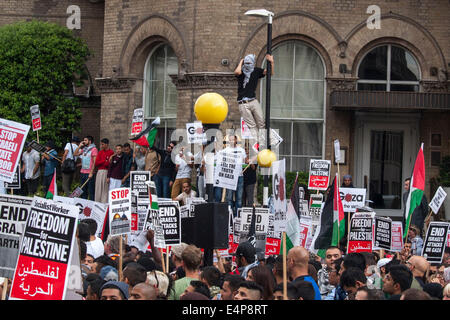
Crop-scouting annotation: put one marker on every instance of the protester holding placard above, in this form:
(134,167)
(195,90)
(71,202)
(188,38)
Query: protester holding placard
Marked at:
(421,211)
(102,165)
(31,169)
(88,152)
(67,176)
(50,163)
(249,183)
(234,197)
(183,166)
(415,239)
(115,169)
(165,176)
(186,194)
(128,164)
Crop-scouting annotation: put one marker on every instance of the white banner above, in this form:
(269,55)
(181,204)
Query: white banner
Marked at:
(337,151)
(279,194)
(227,171)
(352,198)
(245,131)
(88,209)
(437,200)
(261,223)
(194,132)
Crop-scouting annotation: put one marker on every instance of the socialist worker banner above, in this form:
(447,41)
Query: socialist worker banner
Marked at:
(42,270)
(14,211)
(12,139)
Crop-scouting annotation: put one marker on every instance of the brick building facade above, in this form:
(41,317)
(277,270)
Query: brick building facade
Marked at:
(377,88)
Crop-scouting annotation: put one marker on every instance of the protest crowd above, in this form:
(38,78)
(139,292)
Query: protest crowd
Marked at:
(126,213)
(246,274)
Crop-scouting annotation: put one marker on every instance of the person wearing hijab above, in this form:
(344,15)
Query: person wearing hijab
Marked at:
(248,75)
(347,181)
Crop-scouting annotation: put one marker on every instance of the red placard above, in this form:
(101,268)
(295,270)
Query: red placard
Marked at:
(136,127)
(304,228)
(134,222)
(42,268)
(12,138)
(42,279)
(37,124)
(273,246)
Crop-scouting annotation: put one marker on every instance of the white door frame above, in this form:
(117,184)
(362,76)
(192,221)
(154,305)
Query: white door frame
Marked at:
(365,122)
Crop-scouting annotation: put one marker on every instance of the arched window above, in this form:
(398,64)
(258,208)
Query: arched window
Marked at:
(297,103)
(160,94)
(389,68)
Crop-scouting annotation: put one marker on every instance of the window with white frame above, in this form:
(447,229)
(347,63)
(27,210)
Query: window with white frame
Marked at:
(160,94)
(297,103)
(389,68)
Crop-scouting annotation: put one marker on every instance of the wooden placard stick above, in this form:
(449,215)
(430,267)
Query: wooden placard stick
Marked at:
(5,288)
(120,258)
(284,268)
(162,260)
(167,257)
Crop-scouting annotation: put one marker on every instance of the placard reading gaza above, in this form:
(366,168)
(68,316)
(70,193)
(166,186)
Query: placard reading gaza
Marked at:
(435,241)
(169,216)
(352,198)
(14,212)
(360,235)
(45,252)
(227,170)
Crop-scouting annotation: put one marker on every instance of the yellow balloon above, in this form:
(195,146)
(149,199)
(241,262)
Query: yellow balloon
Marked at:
(266,157)
(211,108)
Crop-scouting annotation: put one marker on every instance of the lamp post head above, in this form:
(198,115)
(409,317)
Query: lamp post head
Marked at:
(260,13)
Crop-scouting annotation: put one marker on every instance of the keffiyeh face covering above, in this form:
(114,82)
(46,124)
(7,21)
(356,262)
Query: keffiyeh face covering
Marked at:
(248,66)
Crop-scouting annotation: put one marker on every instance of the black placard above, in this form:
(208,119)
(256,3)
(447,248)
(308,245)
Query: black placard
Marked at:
(435,241)
(383,236)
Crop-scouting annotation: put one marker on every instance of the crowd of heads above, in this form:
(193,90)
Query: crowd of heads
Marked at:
(336,276)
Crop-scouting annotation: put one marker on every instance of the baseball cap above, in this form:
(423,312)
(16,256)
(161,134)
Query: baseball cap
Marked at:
(178,249)
(247,250)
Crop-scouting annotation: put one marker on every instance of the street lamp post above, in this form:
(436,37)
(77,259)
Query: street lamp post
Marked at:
(269,15)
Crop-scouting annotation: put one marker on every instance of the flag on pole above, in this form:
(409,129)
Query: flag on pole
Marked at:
(293,219)
(416,189)
(53,188)
(105,231)
(332,221)
(338,217)
(146,138)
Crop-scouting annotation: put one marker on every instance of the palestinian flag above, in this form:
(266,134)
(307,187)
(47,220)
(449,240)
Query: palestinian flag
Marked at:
(416,189)
(146,138)
(332,221)
(338,217)
(293,219)
(105,231)
(53,188)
